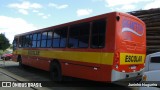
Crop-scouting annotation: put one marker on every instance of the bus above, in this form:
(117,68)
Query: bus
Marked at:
(108,47)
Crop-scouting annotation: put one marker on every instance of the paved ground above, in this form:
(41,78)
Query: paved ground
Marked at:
(4,78)
(10,71)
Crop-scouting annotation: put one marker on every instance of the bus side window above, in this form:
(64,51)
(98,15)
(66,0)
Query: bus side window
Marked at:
(20,42)
(39,39)
(49,39)
(63,41)
(30,40)
(34,40)
(60,37)
(73,37)
(84,35)
(26,42)
(44,40)
(79,36)
(15,42)
(98,34)
(23,41)
(155,59)
(56,38)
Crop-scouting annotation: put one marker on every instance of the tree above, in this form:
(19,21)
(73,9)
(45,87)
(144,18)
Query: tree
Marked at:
(11,46)
(4,42)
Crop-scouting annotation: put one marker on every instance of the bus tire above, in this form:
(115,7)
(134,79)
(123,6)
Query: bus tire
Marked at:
(55,72)
(20,61)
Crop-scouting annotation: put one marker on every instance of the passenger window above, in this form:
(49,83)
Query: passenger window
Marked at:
(15,41)
(20,42)
(73,37)
(98,34)
(30,40)
(34,40)
(56,38)
(44,39)
(60,37)
(44,35)
(63,40)
(38,39)
(27,40)
(35,36)
(39,36)
(49,39)
(84,35)
(43,43)
(155,59)
(79,36)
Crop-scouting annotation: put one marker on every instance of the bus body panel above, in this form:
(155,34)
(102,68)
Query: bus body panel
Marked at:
(76,64)
(130,49)
(87,63)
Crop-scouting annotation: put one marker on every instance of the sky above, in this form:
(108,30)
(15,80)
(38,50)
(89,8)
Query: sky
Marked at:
(19,16)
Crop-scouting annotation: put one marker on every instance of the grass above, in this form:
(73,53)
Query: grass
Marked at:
(1,52)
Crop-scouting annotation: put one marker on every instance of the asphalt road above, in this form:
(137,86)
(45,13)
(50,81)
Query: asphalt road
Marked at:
(10,71)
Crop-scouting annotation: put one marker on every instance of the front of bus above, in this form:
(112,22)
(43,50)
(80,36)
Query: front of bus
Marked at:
(130,49)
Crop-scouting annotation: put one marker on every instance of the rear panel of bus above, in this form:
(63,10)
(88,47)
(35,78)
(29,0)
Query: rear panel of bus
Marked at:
(130,47)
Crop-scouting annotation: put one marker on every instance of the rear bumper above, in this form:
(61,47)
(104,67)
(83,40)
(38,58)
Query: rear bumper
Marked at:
(122,76)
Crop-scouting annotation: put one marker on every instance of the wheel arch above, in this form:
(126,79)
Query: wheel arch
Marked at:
(55,64)
(55,61)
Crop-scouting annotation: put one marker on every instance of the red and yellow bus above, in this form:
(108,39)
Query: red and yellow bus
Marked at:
(108,47)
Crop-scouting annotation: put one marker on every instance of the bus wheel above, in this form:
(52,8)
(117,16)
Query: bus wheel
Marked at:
(55,72)
(20,61)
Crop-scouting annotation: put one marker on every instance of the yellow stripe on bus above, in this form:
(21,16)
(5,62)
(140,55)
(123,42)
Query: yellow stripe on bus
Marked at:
(90,57)
(128,58)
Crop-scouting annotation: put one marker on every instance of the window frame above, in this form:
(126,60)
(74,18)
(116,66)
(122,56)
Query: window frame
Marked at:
(89,34)
(49,39)
(43,39)
(39,39)
(20,42)
(79,32)
(98,20)
(61,30)
(34,40)
(30,37)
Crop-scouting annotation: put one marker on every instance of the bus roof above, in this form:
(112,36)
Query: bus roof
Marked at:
(77,22)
